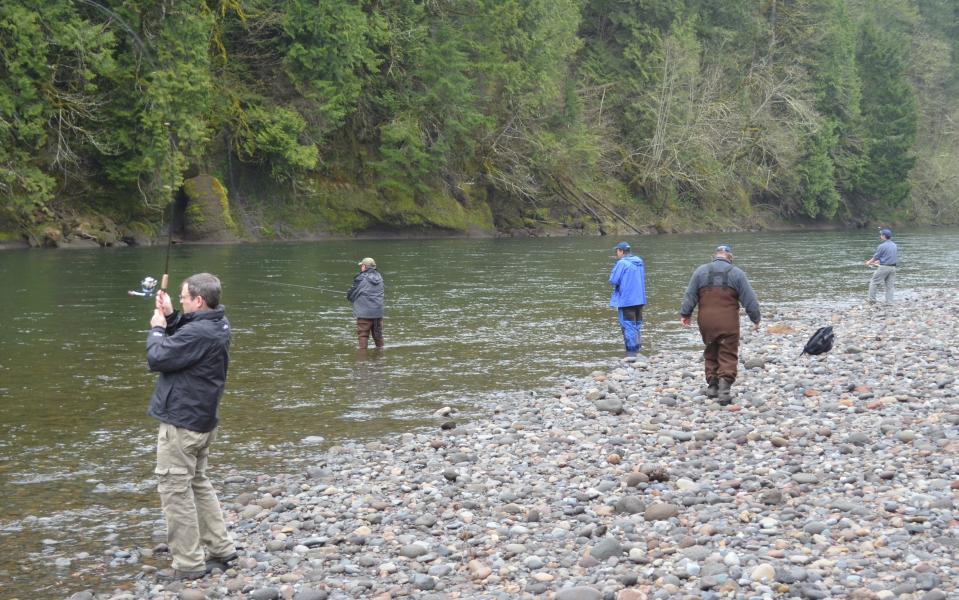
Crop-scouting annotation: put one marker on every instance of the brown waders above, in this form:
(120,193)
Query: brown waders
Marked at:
(367,327)
(719,326)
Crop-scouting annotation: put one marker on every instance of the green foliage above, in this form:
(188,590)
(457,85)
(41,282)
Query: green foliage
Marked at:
(272,137)
(327,54)
(161,97)
(816,171)
(404,167)
(624,46)
(683,113)
(889,118)
(49,63)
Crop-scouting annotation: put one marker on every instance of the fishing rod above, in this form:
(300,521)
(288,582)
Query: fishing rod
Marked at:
(308,287)
(169,236)
(148,284)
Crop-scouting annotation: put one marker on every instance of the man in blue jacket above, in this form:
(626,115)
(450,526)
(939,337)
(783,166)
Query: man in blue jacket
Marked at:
(628,279)
(190,350)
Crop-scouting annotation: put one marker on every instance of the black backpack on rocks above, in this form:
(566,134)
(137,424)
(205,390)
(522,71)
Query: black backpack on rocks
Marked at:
(820,342)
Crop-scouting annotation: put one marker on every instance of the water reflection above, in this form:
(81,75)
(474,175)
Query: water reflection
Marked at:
(370,382)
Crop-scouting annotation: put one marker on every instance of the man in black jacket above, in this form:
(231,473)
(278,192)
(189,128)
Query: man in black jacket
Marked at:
(190,350)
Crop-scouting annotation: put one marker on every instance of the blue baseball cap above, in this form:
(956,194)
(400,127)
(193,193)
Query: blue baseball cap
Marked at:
(622,246)
(724,248)
(885,232)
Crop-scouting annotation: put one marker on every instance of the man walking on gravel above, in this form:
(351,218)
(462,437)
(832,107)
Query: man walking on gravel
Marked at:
(367,295)
(628,279)
(719,288)
(885,259)
(190,350)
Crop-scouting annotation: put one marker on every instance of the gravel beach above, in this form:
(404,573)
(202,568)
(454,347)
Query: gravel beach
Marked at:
(832,476)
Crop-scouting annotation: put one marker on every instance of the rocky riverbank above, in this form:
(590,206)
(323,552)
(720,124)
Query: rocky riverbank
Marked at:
(829,477)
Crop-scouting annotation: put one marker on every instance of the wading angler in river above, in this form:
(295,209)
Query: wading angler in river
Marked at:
(367,295)
(628,279)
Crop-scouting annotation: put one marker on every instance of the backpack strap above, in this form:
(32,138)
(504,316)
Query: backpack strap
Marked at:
(717,277)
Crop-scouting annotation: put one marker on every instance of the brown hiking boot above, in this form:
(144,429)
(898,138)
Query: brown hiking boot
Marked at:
(178,575)
(723,394)
(712,389)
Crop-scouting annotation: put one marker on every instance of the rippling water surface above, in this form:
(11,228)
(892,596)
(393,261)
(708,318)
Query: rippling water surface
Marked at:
(469,323)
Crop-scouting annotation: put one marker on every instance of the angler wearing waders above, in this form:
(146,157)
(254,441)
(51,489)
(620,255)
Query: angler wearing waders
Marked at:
(366,295)
(190,350)
(628,279)
(719,288)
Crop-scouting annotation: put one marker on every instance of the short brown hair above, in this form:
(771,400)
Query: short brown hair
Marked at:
(206,286)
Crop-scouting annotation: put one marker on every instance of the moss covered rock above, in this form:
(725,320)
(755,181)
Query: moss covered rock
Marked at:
(47,236)
(207,215)
(96,228)
(346,208)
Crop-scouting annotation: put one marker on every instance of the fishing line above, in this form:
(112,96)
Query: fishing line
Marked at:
(308,287)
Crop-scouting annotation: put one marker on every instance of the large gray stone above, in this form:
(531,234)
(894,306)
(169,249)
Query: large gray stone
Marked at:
(606,548)
(580,592)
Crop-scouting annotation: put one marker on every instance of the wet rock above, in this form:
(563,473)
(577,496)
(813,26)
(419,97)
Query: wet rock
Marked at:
(266,593)
(611,405)
(630,505)
(606,548)
(311,594)
(763,572)
(661,511)
(579,593)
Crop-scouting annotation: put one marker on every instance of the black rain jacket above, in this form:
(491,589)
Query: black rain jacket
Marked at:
(192,357)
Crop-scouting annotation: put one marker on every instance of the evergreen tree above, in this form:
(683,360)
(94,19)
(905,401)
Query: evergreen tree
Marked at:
(51,64)
(889,119)
(817,174)
(819,108)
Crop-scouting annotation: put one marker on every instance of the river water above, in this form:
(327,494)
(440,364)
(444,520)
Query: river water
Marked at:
(470,323)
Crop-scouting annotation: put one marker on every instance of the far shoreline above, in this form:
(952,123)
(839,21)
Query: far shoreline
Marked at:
(384,235)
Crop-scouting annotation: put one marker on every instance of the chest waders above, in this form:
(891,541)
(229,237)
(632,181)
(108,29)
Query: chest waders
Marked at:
(631,322)
(718,321)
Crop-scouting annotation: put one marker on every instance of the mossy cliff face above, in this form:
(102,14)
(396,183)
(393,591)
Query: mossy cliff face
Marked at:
(337,208)
(207,213)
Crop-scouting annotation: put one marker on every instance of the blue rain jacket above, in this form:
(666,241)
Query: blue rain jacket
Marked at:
(628,279)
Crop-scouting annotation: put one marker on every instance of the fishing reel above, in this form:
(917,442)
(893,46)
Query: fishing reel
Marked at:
(147,288)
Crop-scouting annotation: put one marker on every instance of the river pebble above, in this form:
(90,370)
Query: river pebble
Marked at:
(831,476)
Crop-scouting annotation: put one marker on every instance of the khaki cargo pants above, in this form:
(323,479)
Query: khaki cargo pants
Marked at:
(193,517)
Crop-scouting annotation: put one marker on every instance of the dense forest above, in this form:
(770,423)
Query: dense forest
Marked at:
(261,119)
